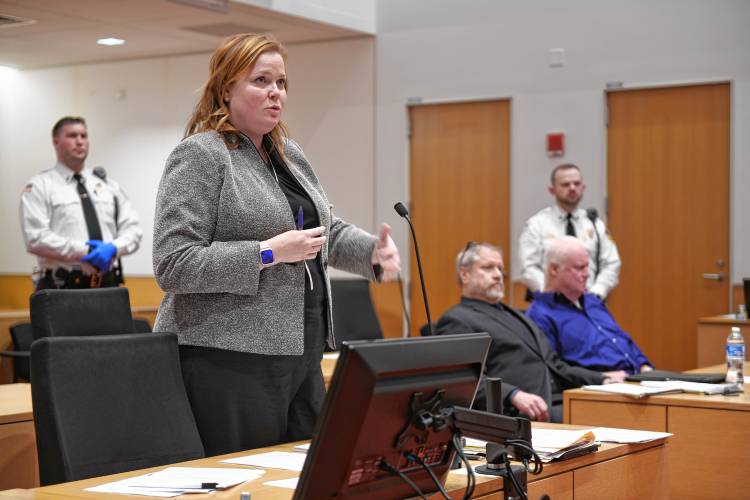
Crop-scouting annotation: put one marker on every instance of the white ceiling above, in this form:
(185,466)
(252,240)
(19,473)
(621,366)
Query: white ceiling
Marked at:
(65,31)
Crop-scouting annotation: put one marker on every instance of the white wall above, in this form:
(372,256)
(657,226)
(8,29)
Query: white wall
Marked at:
(458,50)
(330,112)
(353,14)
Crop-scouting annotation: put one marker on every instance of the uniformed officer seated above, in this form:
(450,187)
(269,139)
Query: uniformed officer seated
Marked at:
(75,220)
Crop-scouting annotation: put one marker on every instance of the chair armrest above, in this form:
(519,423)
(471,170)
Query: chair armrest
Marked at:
(15,354)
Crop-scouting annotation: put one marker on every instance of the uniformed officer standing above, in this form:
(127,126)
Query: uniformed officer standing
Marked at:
(76,221)
(566,218)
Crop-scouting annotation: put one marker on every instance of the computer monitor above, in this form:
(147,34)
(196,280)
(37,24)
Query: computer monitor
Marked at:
(369,416)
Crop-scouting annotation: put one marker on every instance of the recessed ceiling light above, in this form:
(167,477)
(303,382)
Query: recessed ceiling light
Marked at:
(110,41)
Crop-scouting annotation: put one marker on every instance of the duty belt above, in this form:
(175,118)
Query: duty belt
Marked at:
(77,279)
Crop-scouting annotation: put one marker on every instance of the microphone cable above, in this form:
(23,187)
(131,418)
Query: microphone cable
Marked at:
(429,470)
(394,471)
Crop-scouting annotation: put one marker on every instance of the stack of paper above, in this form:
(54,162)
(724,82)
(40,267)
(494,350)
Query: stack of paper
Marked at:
(552,444)
(174,481)
(627,436)
(272,460)
(632,390)
(696,387)
(475,446)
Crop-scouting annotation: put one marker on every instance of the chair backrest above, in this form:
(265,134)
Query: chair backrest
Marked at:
(22,335)
(109,403)
(354,316)
(141,325)
(95,311)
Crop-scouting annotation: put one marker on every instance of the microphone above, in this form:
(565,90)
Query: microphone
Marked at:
(100,172)
(403,212)
(591,213)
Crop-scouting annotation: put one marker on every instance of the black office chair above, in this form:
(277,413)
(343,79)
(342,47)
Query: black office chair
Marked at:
(354,316)
(22,336)
(141,325)
(109,403)
(95,311)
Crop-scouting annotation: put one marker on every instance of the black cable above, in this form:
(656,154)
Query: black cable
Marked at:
(435,479)
(388,467)
(471,480)
(514,480)
(403,305)
(538,466)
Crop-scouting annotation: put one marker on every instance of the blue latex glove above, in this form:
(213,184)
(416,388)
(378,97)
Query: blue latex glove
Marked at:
(101,255)
(93,244)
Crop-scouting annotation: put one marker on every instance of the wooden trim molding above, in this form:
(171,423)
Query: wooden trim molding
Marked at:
(15,290)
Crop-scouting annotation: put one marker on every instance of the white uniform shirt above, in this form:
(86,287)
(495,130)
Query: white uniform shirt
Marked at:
(53,224)
(550,223)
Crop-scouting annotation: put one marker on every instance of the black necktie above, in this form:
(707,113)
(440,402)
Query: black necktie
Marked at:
(89,213)
(569,229)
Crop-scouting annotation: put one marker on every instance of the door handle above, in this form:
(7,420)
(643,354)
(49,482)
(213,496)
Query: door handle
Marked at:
(713,276)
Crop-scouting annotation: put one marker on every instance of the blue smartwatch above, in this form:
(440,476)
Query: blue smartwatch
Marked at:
(266,254)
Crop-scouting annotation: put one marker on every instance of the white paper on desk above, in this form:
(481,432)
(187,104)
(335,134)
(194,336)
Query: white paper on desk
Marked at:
(290,483)
(174,481)
(272,460)
(632,390)
(187,478)
(475,443)
(684,385)
(627,436)
(124,487)
(302,447)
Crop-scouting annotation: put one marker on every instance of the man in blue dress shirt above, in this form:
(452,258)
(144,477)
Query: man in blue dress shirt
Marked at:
(577,324)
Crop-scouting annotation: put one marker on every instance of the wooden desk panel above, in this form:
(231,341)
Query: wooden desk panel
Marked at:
(639,476)
(559,487)
(619,414)
(710,452)
(712,436)
(555,478)
(18,463)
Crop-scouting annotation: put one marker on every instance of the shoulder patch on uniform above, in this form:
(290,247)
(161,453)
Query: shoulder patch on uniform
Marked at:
(27,188)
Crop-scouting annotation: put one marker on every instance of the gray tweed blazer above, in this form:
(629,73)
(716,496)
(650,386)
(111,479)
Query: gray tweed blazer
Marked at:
(213,207)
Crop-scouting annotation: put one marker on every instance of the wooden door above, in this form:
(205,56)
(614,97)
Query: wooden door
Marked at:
(668,187)
(460,177)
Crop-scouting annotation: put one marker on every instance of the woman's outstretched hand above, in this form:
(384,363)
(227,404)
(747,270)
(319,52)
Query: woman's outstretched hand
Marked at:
(386,254)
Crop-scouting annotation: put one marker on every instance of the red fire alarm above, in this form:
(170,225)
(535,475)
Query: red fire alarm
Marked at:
(555,144)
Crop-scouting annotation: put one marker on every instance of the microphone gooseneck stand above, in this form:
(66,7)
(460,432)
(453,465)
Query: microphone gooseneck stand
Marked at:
(403,212)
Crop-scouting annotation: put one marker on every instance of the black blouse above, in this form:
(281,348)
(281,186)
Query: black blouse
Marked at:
(298,198)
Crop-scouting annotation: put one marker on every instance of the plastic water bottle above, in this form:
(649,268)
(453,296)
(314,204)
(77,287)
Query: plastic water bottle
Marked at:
(735,357)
